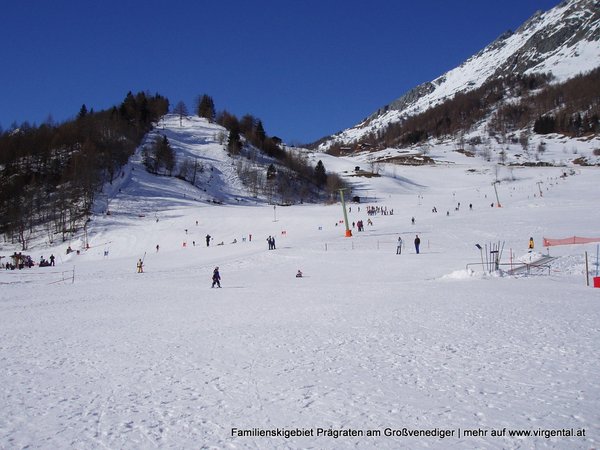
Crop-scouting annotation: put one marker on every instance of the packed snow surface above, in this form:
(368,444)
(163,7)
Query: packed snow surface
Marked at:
(95,355)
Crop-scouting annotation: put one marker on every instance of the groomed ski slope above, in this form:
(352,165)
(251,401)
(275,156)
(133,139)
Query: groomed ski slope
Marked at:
(366,340)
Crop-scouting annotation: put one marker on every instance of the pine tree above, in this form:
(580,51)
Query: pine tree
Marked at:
(260,134)
(82,112)
(234,145)
(320,174)
(162,156)
(206,108)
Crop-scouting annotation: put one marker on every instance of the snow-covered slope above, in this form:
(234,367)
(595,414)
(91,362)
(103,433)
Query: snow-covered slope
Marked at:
(95,355)
(196,142)
(564,41)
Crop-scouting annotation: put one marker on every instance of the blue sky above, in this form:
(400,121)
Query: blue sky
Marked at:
(306,68)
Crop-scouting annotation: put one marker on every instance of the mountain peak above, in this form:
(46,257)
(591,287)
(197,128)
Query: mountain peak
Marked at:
(564,41)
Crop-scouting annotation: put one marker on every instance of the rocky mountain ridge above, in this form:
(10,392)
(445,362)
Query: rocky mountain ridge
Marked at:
(564,41)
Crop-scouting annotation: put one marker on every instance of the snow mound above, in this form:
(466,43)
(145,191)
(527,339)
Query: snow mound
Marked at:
(460,275)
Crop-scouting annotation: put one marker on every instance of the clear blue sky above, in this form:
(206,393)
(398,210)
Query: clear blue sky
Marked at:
(306,68)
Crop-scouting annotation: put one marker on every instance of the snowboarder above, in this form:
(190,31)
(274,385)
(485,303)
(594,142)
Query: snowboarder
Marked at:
(417,243)
(299,274)
(140,266)
(399,246)
(216,278)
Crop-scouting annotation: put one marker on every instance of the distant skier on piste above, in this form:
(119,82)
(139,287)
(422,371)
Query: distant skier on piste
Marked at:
(417,243)
(216,278)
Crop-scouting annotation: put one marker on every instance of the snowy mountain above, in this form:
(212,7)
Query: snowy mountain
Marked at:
(564,41)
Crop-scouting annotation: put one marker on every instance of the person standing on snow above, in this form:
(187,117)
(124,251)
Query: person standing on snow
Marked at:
(216,278)
(208,238)
(417,243)
(531,244)
(140,266)
(399,246)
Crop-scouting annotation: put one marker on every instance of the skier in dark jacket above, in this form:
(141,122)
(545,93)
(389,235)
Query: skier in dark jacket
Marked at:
(417,243)
(216,278)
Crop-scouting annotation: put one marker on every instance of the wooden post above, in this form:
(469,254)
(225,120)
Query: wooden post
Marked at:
(587,272)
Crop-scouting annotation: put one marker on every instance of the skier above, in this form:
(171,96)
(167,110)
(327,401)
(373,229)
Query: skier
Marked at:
(413,220)
(530,244)
(216,278)
(417,243)
(51,260)
(208,238)
(399,246)
(140,266)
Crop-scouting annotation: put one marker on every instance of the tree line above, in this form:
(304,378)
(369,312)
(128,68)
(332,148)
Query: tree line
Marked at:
(50,174)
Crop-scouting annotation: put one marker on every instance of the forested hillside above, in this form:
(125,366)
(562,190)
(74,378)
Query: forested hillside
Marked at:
(508,104)
(51,173)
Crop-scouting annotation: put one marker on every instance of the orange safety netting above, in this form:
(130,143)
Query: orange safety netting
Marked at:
(568,241)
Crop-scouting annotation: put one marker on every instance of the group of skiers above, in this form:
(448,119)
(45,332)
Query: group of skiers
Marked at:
(21,261)
(383,210)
